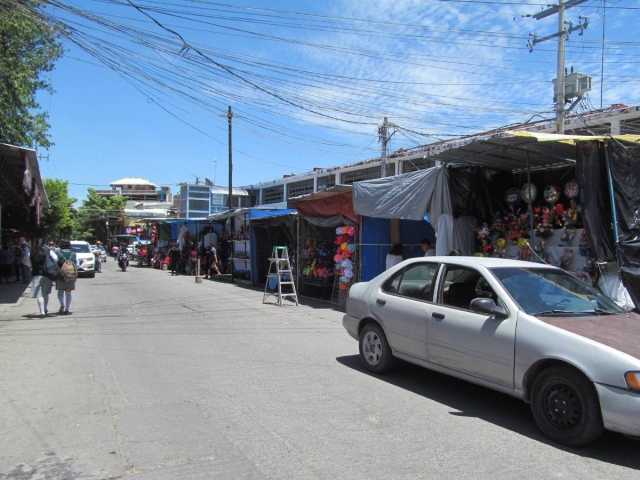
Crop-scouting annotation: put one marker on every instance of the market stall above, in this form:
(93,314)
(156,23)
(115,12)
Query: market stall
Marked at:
(270,228)
(535,197)
(243,252)
(327,255)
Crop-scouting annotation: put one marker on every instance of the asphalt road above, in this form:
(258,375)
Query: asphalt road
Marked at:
(158,377)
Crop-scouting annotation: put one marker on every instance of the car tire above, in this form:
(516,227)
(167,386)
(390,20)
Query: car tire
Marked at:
(91,275)
(565,407)
(375,351)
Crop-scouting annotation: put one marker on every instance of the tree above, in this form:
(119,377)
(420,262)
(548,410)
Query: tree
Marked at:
(57,220)
(28,48)
(93,215)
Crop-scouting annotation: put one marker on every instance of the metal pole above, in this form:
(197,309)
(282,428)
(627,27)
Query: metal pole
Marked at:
(616,230)
(533,235)
(230,118)
(560,74)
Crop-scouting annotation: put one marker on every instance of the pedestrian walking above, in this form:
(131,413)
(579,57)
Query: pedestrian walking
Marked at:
(174,255)
(193,260)
(213,266)
(17,263)
(70,271)
(98,256)
(25,262)
(40,284)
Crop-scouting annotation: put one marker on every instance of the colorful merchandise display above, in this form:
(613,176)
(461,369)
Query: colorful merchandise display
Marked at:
(346,247)
(511,233)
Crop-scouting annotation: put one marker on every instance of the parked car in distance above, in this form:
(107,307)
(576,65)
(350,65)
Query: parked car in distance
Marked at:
(529,330)
(86,259)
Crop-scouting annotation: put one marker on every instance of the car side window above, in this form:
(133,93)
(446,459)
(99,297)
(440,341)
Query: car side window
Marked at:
(462,285)
(415,281)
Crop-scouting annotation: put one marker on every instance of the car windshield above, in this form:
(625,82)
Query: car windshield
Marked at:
(81,248)
(547,291)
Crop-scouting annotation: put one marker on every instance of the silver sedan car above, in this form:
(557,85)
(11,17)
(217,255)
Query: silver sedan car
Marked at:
(529,330)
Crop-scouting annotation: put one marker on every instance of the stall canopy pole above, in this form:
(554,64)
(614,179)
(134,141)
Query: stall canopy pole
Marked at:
(614,213)
(533,235)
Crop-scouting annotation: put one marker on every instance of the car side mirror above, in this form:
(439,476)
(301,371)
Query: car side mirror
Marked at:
(488,306)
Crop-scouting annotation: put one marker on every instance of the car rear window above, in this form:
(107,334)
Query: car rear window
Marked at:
(81,248)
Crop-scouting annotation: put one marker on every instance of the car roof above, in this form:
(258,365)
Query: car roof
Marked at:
(488,262)
(78,242)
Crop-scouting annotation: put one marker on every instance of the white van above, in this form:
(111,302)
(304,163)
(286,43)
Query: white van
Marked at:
(85,257)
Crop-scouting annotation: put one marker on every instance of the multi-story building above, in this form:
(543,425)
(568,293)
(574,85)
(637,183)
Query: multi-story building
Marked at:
(135,189)
(201,200)
(616,120)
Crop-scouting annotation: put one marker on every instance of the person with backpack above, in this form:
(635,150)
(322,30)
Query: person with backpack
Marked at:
(44,262)
(69,266)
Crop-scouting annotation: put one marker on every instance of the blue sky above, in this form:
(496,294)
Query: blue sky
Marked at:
(311,81)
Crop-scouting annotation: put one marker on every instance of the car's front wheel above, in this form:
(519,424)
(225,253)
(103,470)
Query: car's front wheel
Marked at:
(565,407)
(375,351)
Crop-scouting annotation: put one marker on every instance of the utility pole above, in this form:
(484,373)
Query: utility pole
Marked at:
(562,35)
(230,116)
(384,137)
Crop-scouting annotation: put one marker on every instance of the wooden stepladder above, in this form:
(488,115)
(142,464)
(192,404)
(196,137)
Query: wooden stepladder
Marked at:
(280,260)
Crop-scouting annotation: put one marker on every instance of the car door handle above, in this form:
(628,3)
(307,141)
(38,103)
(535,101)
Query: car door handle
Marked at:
(379,301)
(438,315)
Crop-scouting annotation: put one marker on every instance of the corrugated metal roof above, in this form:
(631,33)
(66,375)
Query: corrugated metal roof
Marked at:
(326,193)
(515,150)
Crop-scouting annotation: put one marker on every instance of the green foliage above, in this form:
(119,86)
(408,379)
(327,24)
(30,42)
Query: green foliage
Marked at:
(90,224)
(28,48)
(57,220)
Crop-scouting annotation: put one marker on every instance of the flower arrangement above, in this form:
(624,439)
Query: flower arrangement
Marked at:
(544,228)
(346,247)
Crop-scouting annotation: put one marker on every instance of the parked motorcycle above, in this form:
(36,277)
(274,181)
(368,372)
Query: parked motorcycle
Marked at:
(123,261)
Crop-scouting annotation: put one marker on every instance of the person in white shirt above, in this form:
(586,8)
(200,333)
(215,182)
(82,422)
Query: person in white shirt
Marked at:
(394,256)
(25,262)
(428,250)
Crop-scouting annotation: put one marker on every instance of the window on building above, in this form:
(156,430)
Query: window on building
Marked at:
(295,189)
(418,164)
(199,205)
(273,194)
(326,182)
(193,194)
(348,178)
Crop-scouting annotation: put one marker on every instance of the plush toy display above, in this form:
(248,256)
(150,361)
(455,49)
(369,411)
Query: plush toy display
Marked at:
(346,247)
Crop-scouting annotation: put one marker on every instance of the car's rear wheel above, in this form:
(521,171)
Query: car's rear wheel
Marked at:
(565,406)
(375,351)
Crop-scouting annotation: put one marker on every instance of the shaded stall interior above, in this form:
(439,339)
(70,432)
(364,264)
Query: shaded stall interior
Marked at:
(268,230)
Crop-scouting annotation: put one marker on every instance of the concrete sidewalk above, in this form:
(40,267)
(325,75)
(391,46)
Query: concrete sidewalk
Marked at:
(12,296)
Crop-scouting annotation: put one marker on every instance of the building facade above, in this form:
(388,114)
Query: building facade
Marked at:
(202,200)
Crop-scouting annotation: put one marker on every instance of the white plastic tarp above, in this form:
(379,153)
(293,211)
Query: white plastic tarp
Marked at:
(407,197)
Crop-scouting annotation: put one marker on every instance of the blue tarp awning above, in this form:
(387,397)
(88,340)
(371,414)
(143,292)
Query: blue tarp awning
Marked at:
(259,213)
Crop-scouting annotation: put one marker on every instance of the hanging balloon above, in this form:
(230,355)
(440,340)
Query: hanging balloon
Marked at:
(552,194)
(529,192)
(571,189)
(512,196)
